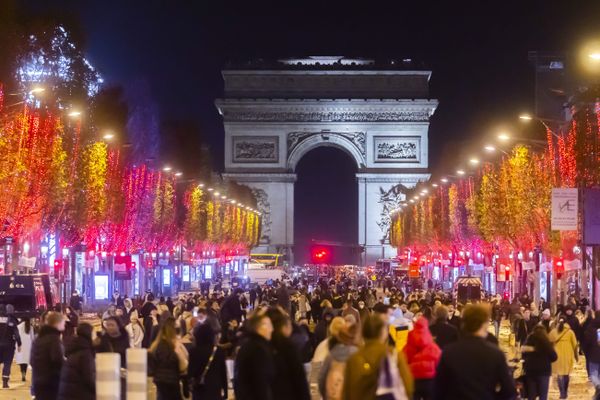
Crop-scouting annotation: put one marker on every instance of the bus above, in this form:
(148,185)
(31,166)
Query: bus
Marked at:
(268,260)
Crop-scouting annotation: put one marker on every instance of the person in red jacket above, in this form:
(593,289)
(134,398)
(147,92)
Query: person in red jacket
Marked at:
(423,356)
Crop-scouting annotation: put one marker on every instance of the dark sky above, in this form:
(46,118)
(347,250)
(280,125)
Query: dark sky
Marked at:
(477,51)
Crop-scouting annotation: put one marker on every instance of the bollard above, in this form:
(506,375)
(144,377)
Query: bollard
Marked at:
(137,374)
(108,379)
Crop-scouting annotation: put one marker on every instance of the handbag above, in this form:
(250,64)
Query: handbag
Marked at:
(200,382)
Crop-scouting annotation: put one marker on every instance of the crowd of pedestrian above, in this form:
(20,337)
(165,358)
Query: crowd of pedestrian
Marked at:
(274,341)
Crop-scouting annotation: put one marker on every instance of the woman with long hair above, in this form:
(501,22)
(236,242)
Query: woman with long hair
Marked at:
(23,354)
(167,361)
(539,355)
(207,371)
(565,345)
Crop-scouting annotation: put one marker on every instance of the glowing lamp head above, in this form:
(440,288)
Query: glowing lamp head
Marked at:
(525,117)
(503,137)
(474,161)
(460,172)
(167,169)
(489,148)
(108,136)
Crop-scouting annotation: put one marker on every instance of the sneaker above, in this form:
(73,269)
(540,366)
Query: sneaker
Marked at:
(5,385)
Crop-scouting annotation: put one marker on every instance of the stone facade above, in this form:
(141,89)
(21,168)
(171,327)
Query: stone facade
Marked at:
(273,118)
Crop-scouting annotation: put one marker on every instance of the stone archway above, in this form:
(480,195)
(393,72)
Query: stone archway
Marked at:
(380,118)
(300,143)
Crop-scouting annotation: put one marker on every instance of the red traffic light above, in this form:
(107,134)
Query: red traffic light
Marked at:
(507,268)
(57,264)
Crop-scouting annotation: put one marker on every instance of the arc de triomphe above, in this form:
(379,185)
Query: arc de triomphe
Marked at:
(379,115)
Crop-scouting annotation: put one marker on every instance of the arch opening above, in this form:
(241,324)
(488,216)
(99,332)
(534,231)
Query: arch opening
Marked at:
(326,204)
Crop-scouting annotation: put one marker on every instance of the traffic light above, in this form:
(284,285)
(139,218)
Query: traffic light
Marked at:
(559,266)
(320,255)
(57,267)
(507,273)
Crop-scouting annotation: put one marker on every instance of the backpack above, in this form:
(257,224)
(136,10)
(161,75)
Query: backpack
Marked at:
(334,382)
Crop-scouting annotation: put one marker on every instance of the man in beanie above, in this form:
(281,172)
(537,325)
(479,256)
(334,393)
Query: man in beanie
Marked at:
(9,336)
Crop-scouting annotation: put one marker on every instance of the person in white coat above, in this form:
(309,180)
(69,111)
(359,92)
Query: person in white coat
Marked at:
(22,356)
(135,331)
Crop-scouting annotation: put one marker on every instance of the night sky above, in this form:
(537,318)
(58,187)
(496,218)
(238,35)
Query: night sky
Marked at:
(476,50)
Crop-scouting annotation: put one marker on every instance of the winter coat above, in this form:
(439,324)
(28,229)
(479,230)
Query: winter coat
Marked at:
(136,334)
(23,356)
(362,371)
(421,351)
(118,344)
(78,375)
(163,364)
(215,381)
(331,377)
(290,377)
(46,362)
(254,370)
(443,333)
(590,345)
(538,362)
(565,345)
(472,369)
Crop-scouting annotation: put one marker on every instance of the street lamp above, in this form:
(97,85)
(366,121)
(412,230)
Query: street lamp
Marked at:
(74,114)
(444,180)
(460,172)
(36,90)
(489,148)
(167,168)
(525,117)
(474,161)
(108,136)
(178,173)
(503,137)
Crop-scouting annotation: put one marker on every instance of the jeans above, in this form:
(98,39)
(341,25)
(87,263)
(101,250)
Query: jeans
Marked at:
(7,352)
(563,385)
(537,386)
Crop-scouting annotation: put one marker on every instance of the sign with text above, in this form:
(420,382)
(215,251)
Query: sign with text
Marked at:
(564,209)
(27,262)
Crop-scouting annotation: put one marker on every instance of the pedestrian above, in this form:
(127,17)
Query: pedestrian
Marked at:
(147,321)
(442,331)
(254,368)
(207,370)
(9,337)
(114,339)
(78,374)
(591,349)
(322,349)
(76,302)
(348,309)
(423,355)
(374,370)
(290,377)
(168,361)
(47,358)
(135,330)
(472,368)
(23,355)
(341,346)
(565,345)
(539,355)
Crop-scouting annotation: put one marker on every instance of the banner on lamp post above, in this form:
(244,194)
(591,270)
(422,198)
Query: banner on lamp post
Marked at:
(564,209)
(591,217)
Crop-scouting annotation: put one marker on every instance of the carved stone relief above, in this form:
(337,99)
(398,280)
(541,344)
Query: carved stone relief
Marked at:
(396,149)
(264,207)
(326,116)
(389,200)
(255,149)
(357,139)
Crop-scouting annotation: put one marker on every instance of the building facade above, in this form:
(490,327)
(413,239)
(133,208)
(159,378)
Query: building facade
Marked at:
(379,115)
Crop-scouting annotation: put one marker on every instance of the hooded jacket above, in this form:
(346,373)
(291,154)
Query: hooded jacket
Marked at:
(421,351)
(78,375)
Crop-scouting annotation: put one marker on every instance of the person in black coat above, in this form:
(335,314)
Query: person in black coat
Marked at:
(472,368)
(290,377)
(254,368)
(232,308)
(207,370)
(146,315)
(164,362)
(114,339)
(47,358)
(591,349)
(443,333)
(539,354)
(78,375)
